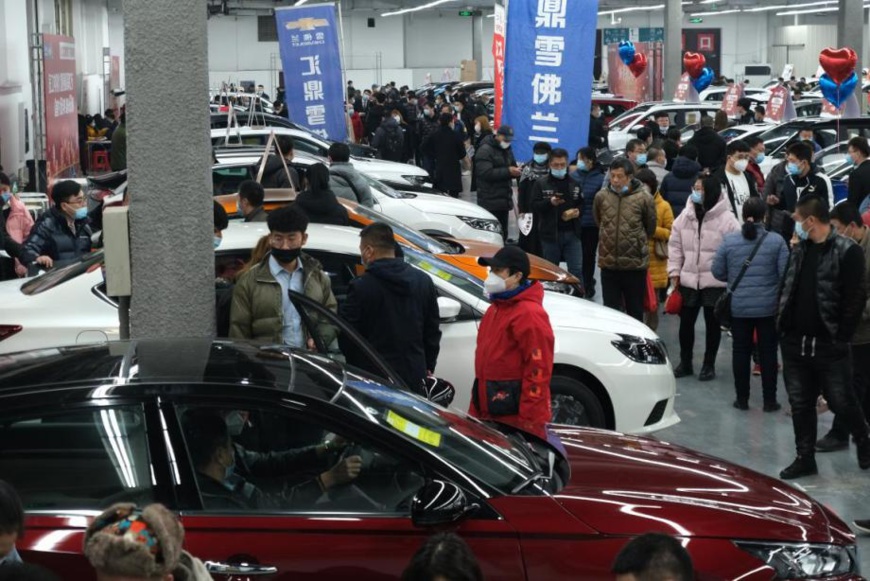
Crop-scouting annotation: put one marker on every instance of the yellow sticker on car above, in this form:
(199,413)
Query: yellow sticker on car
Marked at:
(435,270)
(409,428)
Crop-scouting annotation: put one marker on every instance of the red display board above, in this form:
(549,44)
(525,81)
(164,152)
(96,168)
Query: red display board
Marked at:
(685,91)
(732,95)
(780,106)
(61,112)
(498,52)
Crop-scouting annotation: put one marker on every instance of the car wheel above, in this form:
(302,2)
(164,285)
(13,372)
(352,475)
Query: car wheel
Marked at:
(575,404)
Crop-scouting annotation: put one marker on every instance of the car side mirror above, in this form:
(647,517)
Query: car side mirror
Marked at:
(440,503)
(448,309)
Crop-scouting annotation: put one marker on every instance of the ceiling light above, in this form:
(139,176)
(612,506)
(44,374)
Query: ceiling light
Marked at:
(709,1)
(789,6)
(715,12)
(417,8)
(300,2)
(632,9)
(808,11)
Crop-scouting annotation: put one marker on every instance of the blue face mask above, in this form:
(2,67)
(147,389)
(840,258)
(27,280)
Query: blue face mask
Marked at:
(6,196)
(623,190)
(792,169)
(581,165)
(540,158)
(641,159)
(759,158)
(81,213)
(697,197)
(799,230)
(559,173)
(217,242)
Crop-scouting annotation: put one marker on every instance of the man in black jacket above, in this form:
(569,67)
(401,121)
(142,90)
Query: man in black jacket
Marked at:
(557,202)
(394,307)
(447,150)
(597,132)
(533,170)
(711,146)
(734,175)
(822,301)
(274,175)
(802,179)
(496,168)
(859,178)
(63,233)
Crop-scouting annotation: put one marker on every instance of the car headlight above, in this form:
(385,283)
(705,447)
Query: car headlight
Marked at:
(804,560)
(561,287)
(642,350)
(416,180)
(482,224)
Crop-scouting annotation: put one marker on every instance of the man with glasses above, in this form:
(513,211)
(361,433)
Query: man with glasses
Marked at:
(63,233)
(261,308)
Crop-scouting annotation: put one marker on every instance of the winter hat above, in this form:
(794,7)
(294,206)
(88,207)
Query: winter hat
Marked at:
(127,541)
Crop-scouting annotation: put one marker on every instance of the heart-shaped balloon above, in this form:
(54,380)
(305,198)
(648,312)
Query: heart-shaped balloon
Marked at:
(839,63)
(626,51)
(638,65)
(703,80)
(836,94)
(694,64)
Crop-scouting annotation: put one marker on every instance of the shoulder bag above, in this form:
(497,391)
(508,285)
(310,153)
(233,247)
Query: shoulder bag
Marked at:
(722,308)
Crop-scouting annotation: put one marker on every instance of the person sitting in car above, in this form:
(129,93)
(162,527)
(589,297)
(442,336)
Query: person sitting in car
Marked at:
(224,469)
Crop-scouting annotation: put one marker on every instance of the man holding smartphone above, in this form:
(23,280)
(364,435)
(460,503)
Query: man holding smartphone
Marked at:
(557,202)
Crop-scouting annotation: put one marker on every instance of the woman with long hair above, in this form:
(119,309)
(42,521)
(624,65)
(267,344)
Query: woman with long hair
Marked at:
(754,301)
(318,202)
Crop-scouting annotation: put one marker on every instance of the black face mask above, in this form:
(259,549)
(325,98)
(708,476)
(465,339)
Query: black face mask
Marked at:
(286,256)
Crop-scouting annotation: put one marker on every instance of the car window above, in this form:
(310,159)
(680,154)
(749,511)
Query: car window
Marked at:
(623,123)
(264,461)
(77,460)
(415,237)
(302,144)
(226,180)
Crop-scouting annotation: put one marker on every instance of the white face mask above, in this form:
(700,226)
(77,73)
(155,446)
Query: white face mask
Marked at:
(741,164)
(477,127)
(504,144)
(494,284)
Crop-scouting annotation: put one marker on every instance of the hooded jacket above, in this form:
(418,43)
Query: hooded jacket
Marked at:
(494,182)
(677,185)
(322,208)
(347,183)
(52,237)
(395,307)
(711,148)
(626,222)
(513,363)
(693,244)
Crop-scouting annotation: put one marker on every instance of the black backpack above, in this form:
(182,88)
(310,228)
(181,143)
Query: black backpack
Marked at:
(394,143)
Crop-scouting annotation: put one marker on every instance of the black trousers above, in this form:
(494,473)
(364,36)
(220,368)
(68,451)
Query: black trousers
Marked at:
(589,240)
(688,317)
(742,331)
(811,368)
(623,290)
(861,381)
(502,217)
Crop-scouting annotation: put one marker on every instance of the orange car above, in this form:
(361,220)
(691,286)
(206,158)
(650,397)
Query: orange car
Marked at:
(462,253)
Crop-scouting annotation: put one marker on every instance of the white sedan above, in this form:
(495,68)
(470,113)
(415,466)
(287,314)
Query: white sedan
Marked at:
(610,370)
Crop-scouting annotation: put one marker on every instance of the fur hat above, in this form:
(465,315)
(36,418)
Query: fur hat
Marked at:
(125,540)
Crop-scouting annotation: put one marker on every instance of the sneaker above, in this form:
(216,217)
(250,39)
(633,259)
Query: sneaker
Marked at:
(802,466)
(863,450)
(772,407)
(862,525)
(756,369)
(683,370)
(741,404)
(831,443)
(708,373)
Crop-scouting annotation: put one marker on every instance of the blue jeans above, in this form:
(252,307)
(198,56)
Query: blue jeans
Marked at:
(566,247)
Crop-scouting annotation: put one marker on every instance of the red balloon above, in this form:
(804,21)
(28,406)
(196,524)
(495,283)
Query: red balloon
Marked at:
(638,65)
(694,64)
(839,63)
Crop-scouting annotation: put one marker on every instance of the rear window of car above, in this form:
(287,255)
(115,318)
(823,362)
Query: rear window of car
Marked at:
(60,275)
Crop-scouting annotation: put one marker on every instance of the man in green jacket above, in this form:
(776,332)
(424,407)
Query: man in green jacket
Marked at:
(262,310)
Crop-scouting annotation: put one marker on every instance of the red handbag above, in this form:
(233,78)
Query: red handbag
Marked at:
(674,304)
(650,300)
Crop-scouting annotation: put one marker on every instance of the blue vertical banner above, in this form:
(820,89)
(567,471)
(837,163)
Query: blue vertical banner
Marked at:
(548,72)
(309,41)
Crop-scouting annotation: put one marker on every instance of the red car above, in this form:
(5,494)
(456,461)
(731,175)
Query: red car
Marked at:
(85,427)
(613,106)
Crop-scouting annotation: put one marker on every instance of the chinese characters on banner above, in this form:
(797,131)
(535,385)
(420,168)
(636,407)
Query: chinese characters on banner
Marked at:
(498,50)
(685,92)
(308,38)
(780,106)
(548,67)
(61,112)
(732,95)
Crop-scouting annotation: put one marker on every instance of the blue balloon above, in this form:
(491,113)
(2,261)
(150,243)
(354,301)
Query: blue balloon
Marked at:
(703,80)
(837,94)
(626,51)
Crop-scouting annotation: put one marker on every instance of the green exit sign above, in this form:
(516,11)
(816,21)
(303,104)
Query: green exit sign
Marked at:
(696,20)
(467,12)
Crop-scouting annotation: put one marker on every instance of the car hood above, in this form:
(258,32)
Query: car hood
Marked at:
(368,164)
(445,205)
(570,312)
(630,485)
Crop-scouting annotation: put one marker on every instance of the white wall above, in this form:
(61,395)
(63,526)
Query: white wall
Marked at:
(15,87)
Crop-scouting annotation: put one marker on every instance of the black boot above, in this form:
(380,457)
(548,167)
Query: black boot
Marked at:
(863,446)
(802,466)
(741,404)
(683,370)
(708,372)
(831,443)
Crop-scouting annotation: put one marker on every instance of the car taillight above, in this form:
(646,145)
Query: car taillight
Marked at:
(7,331)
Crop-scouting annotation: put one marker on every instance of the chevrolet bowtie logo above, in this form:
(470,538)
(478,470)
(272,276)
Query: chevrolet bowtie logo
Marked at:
(307,24)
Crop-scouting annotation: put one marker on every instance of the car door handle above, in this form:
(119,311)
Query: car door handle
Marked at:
(216,568)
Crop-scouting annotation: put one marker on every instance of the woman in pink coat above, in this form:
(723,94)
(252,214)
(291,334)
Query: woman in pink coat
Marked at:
(696,236)
(18,222)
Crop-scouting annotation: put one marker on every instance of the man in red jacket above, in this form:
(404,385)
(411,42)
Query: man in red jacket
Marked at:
(513,363)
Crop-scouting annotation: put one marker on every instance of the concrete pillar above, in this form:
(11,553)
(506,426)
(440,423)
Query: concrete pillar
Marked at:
(169,162)
(673,47)
(477,42)
(850,32)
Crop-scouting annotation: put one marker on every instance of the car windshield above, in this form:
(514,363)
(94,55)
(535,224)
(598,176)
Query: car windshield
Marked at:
(622,123)
(635,110)
(62,273)
(384,188)
(446,272)
(415,237)
(469,445)
(774,137)
(832,158)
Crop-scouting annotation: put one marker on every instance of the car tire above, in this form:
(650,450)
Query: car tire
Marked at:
(575,404)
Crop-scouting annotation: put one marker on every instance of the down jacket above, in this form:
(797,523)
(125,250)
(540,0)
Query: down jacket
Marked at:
(626,222)
(591,182)
(658,267)
(677,185)
(51,236)
(693,245)
(757,296)
(494,182)
(345,182)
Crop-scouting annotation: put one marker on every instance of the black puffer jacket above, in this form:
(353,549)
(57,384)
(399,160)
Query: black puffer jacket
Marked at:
(322,208)
(395,307)
(492,168)
(677,185)
(51,236)
(274,175)
(711,148)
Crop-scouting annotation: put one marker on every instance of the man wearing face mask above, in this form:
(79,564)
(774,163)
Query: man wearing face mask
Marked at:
(822,301)
(427,124)
(15,224)
(261,308)
(496,168)
(738,182)
(513,363)
(389,139)
(659,126)
(635,152)
(63,232)
(558,202)
(803,180)
(537,168)
(745,116)
(395,307)
(756,156)
(859,177)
